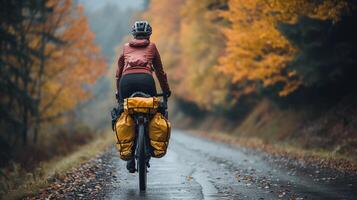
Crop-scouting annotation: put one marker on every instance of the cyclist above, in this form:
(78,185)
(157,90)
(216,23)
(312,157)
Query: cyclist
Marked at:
(136,64)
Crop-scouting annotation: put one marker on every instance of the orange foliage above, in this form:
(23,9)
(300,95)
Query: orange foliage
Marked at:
(256,50)
(211,63)
(71,66)
(189,44)
(164,16)
(201,43)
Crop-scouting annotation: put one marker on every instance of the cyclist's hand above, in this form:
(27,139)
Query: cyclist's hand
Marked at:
(120,108)
(168,94)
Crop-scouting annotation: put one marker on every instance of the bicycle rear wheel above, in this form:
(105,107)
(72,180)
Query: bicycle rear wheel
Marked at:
(142,158)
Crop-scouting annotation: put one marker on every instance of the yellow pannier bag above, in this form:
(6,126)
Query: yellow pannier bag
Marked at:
(159,134)
(125,135)
(141,105)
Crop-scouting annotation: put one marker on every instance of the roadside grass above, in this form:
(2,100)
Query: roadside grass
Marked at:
(343,162)
(318,136)
(47,171)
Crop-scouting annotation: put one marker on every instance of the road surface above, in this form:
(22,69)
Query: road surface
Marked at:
(195,168)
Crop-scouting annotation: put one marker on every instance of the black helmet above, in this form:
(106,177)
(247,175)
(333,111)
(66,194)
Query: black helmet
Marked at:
(141,28)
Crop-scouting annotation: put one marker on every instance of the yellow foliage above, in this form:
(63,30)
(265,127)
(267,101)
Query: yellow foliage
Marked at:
(189,44)
(71,66)
(201,44)
(209,61)
(164,16)
(256,50)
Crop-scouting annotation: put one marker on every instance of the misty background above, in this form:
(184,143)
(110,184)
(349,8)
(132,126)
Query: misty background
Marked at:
(110,20)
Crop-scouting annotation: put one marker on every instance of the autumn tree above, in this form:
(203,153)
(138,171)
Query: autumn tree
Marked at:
(217,51)
(201,44)
(258,53)
(17,60)
(72,65)
(188,37)
(164,16)
(48,60)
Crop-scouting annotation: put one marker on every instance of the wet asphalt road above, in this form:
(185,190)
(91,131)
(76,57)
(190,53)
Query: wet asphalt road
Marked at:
(195,168)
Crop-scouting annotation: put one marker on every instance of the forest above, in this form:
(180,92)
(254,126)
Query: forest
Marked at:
(49,61)
(268,72)
(47,50)
(267,69)
(223,51)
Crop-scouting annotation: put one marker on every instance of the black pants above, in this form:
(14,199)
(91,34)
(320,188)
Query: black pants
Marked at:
(132,83)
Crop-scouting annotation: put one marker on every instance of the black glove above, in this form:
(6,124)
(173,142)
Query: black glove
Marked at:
(120,108)
(168,94)
(117,95)
(115,114)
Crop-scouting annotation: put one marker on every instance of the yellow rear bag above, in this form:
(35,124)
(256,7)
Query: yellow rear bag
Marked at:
(141,105)
(125,135)
(159,134)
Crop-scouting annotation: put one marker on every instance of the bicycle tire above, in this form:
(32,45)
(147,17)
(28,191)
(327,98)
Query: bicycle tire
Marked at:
(142,158)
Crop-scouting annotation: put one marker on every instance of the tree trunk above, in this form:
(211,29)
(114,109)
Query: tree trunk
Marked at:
(40,76)
(25,126)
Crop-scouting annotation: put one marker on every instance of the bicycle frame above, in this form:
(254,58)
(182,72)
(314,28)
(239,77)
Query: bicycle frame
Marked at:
(142,151)
(141,122)
(142,146)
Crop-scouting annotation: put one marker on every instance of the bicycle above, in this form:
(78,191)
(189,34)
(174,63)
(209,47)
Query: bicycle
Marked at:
(142,146)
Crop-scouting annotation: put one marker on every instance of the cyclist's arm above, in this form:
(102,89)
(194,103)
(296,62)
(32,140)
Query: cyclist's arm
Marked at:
(119,71)
(159,71)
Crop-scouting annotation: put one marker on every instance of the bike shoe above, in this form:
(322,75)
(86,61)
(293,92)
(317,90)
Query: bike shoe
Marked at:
(130,166)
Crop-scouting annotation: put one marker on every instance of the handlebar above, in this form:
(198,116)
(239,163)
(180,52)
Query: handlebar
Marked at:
(162,95)
(163,104)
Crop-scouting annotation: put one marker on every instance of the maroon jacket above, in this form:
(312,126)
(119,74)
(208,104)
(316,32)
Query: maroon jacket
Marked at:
(141,56)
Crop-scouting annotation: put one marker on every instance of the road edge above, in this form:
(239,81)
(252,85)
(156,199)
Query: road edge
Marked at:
(60,166)
(308,157)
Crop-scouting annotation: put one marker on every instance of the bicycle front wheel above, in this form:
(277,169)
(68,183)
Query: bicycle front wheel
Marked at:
(142,158)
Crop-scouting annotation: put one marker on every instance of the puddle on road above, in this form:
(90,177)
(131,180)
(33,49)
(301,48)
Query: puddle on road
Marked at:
(209,191)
